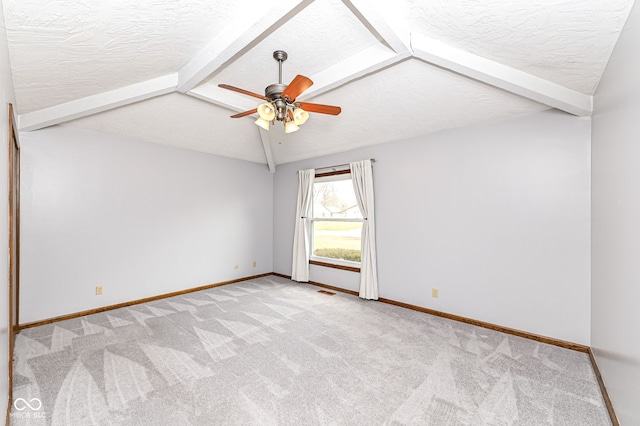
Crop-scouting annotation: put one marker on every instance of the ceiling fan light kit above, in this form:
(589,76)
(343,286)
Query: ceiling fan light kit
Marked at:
(300,116)
(290,127)
(266,111)
(281,102)
(263,123)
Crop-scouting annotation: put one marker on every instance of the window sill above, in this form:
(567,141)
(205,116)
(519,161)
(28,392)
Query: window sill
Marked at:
(334,265)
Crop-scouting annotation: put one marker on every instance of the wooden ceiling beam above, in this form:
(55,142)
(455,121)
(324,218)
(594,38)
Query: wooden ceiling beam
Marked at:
(265,137)
(94,104)
(250,28)
(224,98)
(502,76)
(369,61)
(381,26)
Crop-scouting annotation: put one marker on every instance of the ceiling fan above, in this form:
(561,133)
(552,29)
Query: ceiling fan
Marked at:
(281,102)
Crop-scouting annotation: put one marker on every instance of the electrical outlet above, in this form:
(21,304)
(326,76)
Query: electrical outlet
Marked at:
(434,292)
(235,266)
(255,263)
(98,290)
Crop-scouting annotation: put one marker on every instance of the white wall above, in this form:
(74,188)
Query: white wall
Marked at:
(615,328)
(6,96)
(496,216)
(139,219)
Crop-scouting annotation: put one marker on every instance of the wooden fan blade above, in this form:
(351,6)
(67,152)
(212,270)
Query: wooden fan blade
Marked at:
(296,87)
(244,114)
(322,109)
(244,92)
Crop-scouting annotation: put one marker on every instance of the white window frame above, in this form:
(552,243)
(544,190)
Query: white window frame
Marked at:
(328,260)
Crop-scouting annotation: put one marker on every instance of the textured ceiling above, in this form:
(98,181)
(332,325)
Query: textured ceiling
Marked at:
(149,70)
(65,50)
(565,41)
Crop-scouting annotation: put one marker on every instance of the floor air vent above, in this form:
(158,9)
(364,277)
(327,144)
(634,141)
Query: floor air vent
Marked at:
(328,293)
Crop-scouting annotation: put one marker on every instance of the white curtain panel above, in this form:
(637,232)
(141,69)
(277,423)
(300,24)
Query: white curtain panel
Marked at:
(362,178)
(300,266)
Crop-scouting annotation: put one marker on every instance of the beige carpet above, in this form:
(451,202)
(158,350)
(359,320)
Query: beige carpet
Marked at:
(273,352)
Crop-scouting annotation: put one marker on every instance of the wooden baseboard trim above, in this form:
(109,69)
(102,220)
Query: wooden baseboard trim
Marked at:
(136,302)
(507,330)
(603,389)
(8,418)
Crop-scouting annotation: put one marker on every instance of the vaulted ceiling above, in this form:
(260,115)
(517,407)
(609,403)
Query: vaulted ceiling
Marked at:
(150,70)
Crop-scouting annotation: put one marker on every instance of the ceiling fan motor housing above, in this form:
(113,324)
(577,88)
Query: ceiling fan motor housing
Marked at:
(273,91)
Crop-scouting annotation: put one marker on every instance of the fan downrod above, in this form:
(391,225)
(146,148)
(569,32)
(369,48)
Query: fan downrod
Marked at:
(273,91)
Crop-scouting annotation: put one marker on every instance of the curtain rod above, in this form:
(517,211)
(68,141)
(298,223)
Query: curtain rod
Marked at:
(373,160)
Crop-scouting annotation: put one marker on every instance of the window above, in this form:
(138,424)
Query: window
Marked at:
(336,221)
